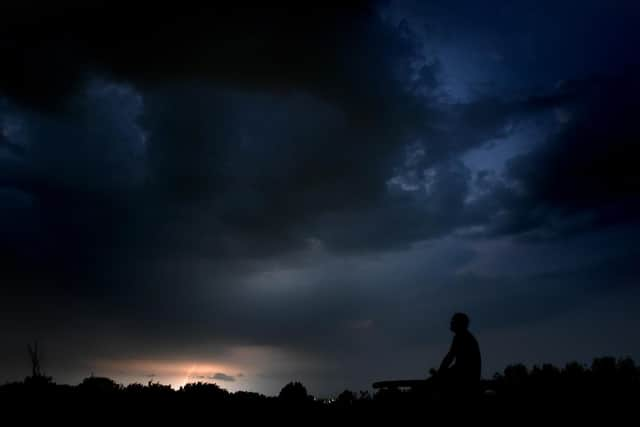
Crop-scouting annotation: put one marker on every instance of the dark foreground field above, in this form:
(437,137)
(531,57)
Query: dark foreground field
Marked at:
(608,388)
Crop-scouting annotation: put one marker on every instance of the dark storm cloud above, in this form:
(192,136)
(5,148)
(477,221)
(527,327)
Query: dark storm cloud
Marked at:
(205,177)
(216,153)
(48,50)
(535,43)
(139,197)
(332,57)
(218,161)
(77,171)
(584,175)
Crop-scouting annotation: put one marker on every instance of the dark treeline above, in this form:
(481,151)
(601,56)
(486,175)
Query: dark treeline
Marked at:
(609,384)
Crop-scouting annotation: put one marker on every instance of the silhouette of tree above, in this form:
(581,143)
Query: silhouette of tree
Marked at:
(135,388)
(99,385)
(37,378)
(516,374)
(34,355)
(201,389)
(346,399)
(248,398)
(294,392)
(365,395)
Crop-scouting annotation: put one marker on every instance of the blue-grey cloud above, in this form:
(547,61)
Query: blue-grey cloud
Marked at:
(223,377)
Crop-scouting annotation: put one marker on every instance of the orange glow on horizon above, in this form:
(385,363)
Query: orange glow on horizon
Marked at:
(174,373)
(257,368)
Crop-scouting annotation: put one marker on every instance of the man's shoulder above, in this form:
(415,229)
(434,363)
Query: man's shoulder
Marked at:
(466,337)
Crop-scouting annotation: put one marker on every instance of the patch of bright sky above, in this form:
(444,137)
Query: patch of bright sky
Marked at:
(467,67)
(494,156)
(468,72)
(12,129)
(262,369)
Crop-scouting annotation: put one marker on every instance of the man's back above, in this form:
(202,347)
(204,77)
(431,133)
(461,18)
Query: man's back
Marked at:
(468,362)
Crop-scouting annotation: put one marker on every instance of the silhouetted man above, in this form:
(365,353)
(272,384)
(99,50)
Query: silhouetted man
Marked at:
(463,377)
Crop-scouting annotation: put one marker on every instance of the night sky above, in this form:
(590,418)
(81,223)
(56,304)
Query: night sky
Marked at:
(252,196)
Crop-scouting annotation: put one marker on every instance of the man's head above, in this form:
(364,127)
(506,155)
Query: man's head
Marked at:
(459,323)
